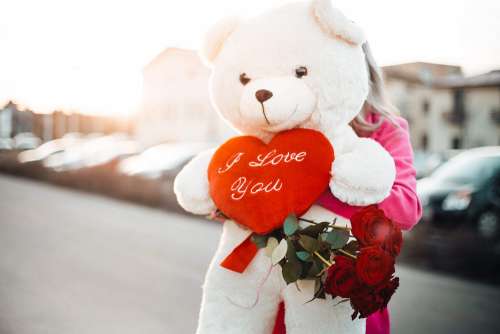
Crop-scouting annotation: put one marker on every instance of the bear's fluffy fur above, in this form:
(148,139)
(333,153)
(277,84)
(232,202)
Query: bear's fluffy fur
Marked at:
(268,49)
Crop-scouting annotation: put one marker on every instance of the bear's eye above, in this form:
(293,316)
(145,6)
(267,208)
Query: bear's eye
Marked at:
(244,79)
(300,71)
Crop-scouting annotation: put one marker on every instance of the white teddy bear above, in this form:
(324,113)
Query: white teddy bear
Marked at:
(298,66)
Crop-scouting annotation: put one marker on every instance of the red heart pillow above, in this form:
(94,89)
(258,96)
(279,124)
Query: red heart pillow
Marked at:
(259,184)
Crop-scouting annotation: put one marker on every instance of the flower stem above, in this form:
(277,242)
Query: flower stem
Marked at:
(345,228)
(308,221)
(347,254)
(325,261)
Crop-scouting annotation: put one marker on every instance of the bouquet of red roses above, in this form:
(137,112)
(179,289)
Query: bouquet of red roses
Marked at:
(355,264)
(366,278)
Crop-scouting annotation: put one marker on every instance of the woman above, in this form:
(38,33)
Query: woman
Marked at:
(380,122)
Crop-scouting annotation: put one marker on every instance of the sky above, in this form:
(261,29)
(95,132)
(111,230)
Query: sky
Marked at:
(87,55)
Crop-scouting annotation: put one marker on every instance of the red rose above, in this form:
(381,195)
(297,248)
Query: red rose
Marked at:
(374,265)
(371,227)
(366,302)
(395,242)
(386,290)
(341,279)
(370,300)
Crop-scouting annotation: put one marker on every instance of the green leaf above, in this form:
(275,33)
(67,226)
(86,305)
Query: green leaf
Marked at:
(319,290)
(352,247)
(290,253)
(337,238)
(303,256)
(279,252)
(259,240)
(315,230)
(293,261)
(291,271)
(291,224)
(272,243)
(308,243)
(317,285)
(316,268)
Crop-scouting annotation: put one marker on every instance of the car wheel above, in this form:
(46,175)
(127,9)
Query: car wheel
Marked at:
(488,225)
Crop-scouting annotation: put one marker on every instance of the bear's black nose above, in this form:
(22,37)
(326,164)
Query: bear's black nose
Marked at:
(263,95)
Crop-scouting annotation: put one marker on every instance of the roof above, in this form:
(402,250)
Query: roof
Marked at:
(489,79)
(440,75)
(421,72)
(10,103)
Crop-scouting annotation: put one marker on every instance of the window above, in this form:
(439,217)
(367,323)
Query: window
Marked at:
(426,106)
(458,103)
(424,142)
(456,143)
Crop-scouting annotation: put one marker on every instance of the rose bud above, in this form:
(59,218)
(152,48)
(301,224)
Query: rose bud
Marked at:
(371,227)
(394,243)
(367,303)
(374,265)
(341,279)
(387,289)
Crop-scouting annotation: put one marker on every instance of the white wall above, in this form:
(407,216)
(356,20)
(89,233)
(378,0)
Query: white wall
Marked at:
(5,123)
(409,98)
(480,129)
(176,104)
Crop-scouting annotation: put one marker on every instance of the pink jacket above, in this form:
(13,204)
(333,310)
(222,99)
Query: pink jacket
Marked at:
(402,205)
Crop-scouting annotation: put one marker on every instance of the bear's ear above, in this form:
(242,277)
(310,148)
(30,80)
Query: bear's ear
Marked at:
(335,24)
(215,37)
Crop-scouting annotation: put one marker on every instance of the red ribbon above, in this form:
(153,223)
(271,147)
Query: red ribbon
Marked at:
(241,256)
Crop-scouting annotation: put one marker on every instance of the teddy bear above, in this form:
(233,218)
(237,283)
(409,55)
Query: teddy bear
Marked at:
(302,65)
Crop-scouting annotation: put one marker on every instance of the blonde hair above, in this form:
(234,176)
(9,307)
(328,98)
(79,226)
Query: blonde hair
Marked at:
(377,101)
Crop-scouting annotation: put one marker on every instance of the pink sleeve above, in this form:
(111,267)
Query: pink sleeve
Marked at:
(402,205)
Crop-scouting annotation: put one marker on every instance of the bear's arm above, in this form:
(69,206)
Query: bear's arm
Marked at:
(191,185)
(363,172)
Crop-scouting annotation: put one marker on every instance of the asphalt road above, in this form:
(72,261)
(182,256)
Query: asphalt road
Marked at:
(72,262)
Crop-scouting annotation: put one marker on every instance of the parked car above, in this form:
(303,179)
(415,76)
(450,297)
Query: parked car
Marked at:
(26,141)
(425,163)
(162,160)
(47,149)
(465,192)
(91,152)
(6,144)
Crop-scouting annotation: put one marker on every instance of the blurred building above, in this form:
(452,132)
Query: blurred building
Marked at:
(445,109)
(7,119)
(15,120)
(42,126)
(176,104)
(476,108)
